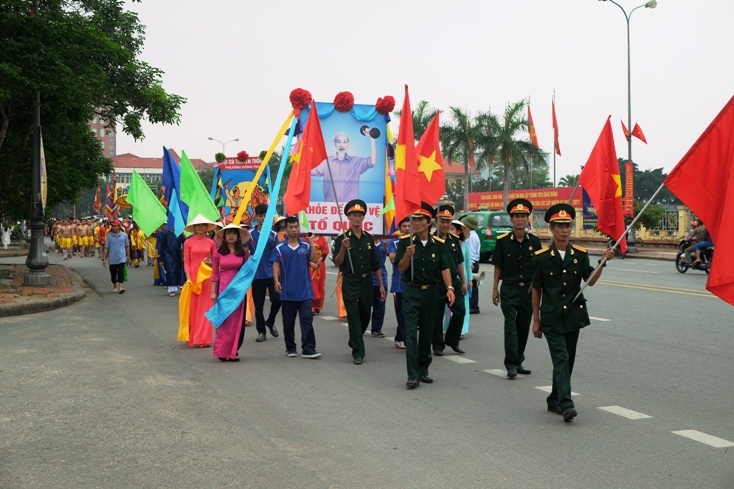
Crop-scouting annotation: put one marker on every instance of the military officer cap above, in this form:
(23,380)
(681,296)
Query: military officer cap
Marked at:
(519,206)
(446,211)
(356,205)
(560,213)
(425,210)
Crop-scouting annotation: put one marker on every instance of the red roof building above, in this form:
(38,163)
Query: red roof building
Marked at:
(151,169)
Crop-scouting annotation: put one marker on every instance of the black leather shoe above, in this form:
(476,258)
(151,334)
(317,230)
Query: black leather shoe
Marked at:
(512,373)
(412,383)
(438,353)
(458,349)
(474,311)
(568,414)
(358,361)
(554,408)
(260,337)
(523,370)
(426,379)
(273,330)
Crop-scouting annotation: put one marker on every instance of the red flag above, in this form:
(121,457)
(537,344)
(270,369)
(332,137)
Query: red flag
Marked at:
(531,129)
(704,181)
(624,130)
(430,164)
(311,153)
(407,180)
(637,132)
(600,178)
(555,131)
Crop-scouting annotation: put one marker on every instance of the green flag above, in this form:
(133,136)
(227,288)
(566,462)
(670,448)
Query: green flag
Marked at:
(194,193)
(303,219)
(148,211)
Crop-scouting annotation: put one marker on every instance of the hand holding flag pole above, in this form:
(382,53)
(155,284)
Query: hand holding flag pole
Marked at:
(604,259)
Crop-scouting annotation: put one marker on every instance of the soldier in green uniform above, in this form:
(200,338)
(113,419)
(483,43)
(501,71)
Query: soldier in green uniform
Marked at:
(357,259)
(559,270)
(445,214)
(513,264)
(424,263)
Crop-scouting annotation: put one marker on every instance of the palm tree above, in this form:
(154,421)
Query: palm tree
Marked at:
(457,142)
(422,115)
(568,181)
(499,139)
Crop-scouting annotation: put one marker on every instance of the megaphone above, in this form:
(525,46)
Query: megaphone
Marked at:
(480,279)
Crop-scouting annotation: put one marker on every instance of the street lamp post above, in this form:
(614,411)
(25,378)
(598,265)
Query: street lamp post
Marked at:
(649,4)
(224,145)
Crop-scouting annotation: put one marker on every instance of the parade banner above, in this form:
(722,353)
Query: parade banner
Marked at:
(356,142)
(629,190)
(542,198)
(236,174)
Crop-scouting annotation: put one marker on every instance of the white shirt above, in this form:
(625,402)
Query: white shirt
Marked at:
(474,246)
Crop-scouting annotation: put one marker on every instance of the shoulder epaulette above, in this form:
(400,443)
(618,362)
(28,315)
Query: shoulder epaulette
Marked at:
(341,233)
(580,248)
(404,236)
(540,251)
(440,240)
(503,235)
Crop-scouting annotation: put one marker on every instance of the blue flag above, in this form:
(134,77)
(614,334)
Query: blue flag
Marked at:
(231,297)
(171,180)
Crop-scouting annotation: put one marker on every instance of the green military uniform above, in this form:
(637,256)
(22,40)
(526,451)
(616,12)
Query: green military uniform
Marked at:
(458,310)
(515,259)
(420,296)
(357,290)
(559,278)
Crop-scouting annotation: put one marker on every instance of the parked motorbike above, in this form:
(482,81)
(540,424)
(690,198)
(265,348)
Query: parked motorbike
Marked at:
(680,260)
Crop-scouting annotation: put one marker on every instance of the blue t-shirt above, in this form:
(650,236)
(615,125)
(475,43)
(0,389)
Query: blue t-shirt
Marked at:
(396,285)
(116,245)
(381,248)
(295,273)
(265,267)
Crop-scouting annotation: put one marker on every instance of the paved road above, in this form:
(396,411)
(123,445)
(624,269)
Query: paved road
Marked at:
(100,395)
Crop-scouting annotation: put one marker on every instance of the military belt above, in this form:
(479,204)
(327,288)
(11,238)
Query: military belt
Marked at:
(421,286)
(358,275)
(518,284)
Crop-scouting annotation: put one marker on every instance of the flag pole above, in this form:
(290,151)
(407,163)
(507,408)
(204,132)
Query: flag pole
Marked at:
(554,144)
(336,200)
(576,187)
(634,221)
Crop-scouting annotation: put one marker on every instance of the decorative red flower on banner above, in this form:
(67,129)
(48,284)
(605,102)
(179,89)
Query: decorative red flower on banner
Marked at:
(385,105)
(300,98)
(344,101)
(242,156)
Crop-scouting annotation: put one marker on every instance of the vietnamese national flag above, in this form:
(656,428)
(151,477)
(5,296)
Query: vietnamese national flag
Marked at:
(430,164)
(555,131)
(311,153)
(624,130)
(407,180)
(531,129)
(600,178)
(637,132)
(704,181)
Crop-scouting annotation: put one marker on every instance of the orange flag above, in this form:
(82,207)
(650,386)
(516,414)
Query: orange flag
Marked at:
(310,154)
(531,129)
(600,178)
(407,180)
(430,164)
(555,131)
(704,181)
(637,132)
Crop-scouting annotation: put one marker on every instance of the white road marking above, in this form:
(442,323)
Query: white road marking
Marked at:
(709,440)
(549,388)
(500,373)
(599,319)
(328,318)
(635,270)
(458,359)
(625,413)
(332,273)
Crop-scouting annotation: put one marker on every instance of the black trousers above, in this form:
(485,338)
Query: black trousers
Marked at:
(474,299)
(117,273)
(259,287)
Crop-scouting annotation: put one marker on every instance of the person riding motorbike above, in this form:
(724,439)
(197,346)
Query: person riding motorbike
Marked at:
(702,245)
(697,235)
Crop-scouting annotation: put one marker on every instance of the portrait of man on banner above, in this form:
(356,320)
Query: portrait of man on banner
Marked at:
(356,143)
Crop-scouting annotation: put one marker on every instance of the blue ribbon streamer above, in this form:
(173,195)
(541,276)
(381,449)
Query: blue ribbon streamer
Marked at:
(231,297)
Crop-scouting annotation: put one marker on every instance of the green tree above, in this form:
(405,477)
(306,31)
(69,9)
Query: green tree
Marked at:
(422,115)
(568,181)
(646,182)
(83,58)
(458,137)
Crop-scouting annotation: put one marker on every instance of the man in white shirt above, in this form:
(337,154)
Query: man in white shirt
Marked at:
(474,248)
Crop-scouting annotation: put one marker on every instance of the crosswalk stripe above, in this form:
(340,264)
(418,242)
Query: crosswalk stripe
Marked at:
(458,359)
(549,388)
(709,440)
(625,413)
(599,319)
(328,318)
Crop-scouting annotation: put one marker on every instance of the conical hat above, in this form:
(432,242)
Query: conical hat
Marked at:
(243,232)
(199,219)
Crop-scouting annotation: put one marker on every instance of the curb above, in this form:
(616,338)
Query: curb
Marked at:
(43,305)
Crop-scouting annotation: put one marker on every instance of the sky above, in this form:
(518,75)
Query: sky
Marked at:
(237,61)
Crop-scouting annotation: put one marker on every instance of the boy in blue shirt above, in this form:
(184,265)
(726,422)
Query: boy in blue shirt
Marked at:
(292,277)
(264,278)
